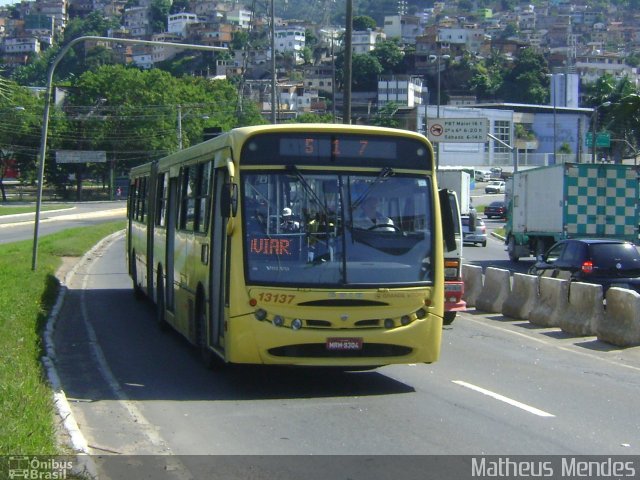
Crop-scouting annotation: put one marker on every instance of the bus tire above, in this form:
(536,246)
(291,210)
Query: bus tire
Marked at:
(138,294)
(448,318)
(161,318)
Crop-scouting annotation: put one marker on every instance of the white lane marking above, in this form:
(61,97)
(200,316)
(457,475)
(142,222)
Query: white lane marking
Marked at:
(502,398)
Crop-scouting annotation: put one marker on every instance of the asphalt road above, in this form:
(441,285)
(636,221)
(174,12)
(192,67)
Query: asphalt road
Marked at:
(501,387)
(14,228)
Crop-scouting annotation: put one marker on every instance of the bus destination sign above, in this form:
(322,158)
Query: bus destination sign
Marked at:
(457,130)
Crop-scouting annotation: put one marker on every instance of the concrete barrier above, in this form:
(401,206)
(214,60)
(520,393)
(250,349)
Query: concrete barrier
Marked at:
(472,277)
(621,323)
(552,302)
(585,309)
(523,296)
(496,289)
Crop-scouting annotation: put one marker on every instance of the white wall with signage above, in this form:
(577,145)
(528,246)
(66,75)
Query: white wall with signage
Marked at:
(458,152)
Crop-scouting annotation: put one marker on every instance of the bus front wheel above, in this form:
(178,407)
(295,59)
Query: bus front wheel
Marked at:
(448,318)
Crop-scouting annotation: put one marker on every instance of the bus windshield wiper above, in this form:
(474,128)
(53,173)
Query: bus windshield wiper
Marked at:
(308,189)
(384,173)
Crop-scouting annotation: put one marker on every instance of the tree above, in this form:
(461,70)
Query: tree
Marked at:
(487,77)
(159,13)
(385,116)
(363,22)
(21,117)
(526,81)
(240,39)
(389,55)
(179,6)
(309,117)
(366,69)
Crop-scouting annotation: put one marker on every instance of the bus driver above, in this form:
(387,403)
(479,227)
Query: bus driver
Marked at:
(368,217)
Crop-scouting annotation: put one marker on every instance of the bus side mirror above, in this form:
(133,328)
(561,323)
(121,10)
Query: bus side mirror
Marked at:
(448,226)
(229,200)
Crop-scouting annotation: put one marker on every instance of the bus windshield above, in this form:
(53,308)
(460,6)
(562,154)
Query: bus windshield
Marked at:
(329,229)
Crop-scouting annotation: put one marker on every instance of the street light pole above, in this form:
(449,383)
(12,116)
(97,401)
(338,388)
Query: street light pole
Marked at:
(438,67)
(274,74)
(555,126)
(437,59)
(179,109)
(594,125)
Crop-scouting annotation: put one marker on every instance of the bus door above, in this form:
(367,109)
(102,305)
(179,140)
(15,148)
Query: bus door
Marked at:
(218,264)
(172,214)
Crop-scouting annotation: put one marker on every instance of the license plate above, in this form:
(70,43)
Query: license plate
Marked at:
(452,287)
(344,344)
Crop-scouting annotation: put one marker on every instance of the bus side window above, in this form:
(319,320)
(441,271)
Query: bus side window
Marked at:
(161,199)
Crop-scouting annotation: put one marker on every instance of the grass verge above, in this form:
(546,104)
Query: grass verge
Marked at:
(7,210)
(26,408)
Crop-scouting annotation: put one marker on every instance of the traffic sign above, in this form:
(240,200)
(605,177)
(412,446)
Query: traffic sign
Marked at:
(81,156)
(457,130)
(603,139)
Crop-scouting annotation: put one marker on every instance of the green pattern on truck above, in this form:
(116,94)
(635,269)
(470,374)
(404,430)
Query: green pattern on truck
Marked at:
(601,201)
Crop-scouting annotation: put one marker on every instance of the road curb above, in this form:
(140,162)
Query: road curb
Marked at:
(85,466)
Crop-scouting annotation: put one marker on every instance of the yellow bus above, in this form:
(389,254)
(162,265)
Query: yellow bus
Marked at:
(295,244)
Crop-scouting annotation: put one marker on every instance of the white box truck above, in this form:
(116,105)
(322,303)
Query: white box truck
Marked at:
(570,200)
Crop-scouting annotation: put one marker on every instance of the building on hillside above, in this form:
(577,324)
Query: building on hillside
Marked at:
(403,90)
(137,20)
(178,22)
(240,17)
(320,78)
(161,53)
(403,27)
(591,66)
(290,40)
(363,41)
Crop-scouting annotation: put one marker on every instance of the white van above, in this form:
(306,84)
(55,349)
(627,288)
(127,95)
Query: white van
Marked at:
(483,175)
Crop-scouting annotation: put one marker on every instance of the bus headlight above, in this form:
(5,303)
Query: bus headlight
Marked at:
(278,321)
(405,320)
(389,323)
(421,313)
(260,314)
(296,324)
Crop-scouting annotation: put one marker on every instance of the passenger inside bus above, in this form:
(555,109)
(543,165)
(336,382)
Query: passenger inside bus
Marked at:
(288,222)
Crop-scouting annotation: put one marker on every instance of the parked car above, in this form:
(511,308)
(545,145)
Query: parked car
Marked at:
(482,175)
(495,186)
(479,236)
(496,209)
(610,263)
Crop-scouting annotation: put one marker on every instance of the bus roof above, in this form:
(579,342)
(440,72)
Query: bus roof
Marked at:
(236,137)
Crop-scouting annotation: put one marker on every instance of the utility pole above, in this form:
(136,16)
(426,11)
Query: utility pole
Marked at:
(348,51)
(274,74)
